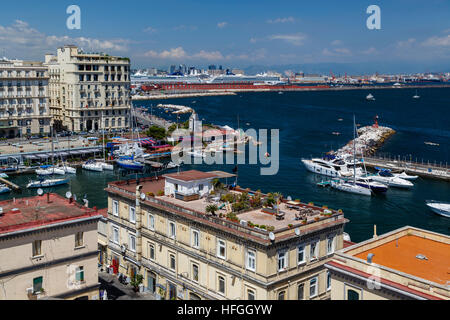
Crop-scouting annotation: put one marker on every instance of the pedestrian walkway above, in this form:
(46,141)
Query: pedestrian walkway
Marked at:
(118,291)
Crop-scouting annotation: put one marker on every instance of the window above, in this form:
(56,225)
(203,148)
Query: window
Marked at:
(132,243)
(79,275)
(116,208)
(172,262)
(221,284)
(251,295)
(172,291)
(221,249)
(37,250)
(282,295)
(328,281)
(151,251)
(313,250)
(251,260)
(132,215)
(313,287)
(37,285)
(151,222)
(78,239)
(352,295)
(282,260)
(330,245)
(172,230)
(195,272)
(301,254)
(300,291)
(195,239)
(115,235)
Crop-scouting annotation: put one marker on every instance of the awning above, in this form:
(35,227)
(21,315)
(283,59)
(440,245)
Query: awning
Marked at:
(31,157)
(43,156)
(64,154)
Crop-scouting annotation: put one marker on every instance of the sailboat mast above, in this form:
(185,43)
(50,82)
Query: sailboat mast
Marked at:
(103,131)
(354,150)
(53,147)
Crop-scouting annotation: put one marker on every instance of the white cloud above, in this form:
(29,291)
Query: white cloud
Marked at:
(406,43)
(185,28)
(336,52)
(222,24)
(370,50)
(337,43)
(150,30)
(294,39)
(22,41)
(180,54)
(282,20)
(438,41)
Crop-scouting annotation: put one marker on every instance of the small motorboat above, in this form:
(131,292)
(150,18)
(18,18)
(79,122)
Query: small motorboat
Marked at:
(47,183)
(4,176)
(370,97)
(92,166)
(49,171)
(387,178)
(441,208)
(405,176)
(105,166)
(416,96)
(4,189)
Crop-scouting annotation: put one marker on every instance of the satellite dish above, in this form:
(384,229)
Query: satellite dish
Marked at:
(297,231)
(289,198)
(40,192)
(272,236)
(68,194)
(143,196)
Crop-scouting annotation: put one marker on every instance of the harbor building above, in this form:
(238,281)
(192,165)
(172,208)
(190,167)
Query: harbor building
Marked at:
(188,243)
(24,109)
(405,264)
(48,249)
(89,91)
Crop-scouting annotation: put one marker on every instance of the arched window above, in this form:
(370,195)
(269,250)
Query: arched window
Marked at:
(352,295)
(193,296)
(282,295)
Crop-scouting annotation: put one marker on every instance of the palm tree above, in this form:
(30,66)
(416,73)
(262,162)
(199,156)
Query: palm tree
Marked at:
(212,208)
(217,184)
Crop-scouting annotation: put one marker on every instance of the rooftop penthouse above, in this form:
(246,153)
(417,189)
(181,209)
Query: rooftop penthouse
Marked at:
(408,263)
(199,196)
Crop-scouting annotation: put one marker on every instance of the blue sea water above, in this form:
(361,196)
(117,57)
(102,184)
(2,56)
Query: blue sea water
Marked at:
(306,121)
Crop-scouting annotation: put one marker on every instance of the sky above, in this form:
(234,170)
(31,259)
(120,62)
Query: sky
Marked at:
(414,34)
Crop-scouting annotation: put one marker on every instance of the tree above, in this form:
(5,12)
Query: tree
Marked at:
(157,133)
(217,184)
(212,208)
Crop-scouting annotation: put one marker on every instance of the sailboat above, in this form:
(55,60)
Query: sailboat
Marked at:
(348,185)
(416,96)
(99,165)
(130,162)
(46,183)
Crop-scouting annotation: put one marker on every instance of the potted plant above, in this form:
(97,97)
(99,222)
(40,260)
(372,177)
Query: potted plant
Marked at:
(304,221)
(160,193)
(151,194)
(212,208)
(136,281)
(290,225)
(316,218)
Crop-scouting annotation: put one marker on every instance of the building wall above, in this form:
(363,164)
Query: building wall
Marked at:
(19,267)
(86,93)
(266,281)
(24,106)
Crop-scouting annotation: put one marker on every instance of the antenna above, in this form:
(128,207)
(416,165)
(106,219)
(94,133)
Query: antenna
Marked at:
(68,194)
(40,192)
(272,236)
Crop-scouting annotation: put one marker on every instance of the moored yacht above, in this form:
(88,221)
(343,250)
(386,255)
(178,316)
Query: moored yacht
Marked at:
(92,166)
(370,97)
(369,183)
(350,187)
(441,208)
(4,189)
(47,183)
(390,180)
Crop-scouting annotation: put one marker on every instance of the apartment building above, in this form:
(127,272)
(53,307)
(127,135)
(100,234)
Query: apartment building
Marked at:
(163,229)
(48,249)
(89,91)
(405,264)
(24,106)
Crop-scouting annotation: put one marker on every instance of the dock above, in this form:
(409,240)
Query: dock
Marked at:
(423,169)
(10,184)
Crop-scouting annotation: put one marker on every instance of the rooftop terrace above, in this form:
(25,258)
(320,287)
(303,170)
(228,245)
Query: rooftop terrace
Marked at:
(28,213)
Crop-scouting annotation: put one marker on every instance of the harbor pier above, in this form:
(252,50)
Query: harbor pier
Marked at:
(424,169)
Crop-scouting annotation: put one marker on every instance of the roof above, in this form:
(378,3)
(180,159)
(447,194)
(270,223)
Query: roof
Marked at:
(28,213)
(192,175)
(401,256)
(222,174)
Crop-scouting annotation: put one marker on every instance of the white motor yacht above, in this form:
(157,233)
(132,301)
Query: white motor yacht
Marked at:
(405,176)
(328,167)
(441,208)
(93,166)
(50,172)
(47,183)
(390,180)
(105,166)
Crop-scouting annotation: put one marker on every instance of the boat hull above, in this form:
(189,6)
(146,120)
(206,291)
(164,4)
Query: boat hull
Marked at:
(134,166)
(47,183)
(442,209)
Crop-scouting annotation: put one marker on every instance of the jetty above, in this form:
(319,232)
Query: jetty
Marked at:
(421,169)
